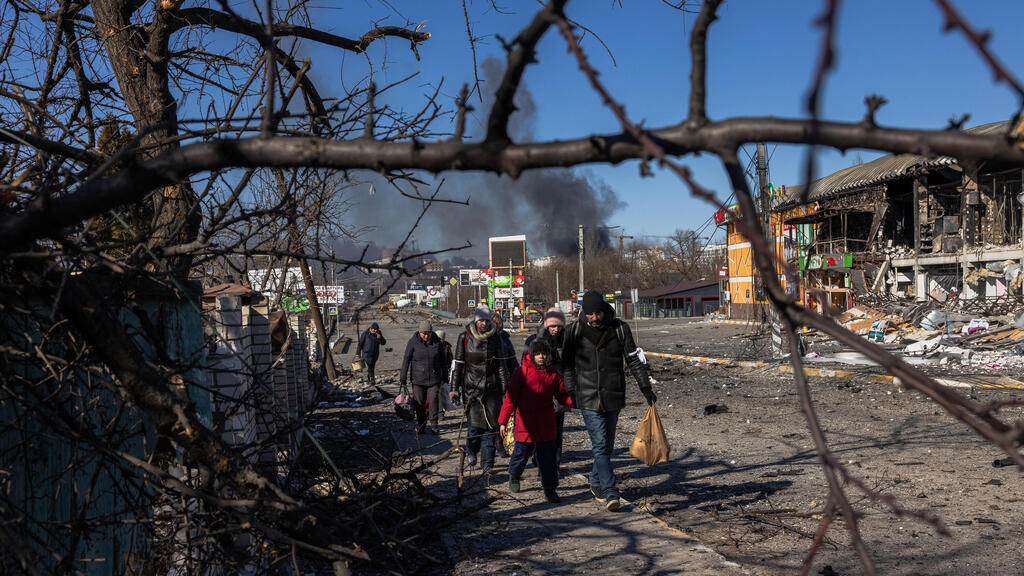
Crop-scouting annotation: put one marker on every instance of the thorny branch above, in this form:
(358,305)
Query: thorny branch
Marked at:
(978,418)
(60,175)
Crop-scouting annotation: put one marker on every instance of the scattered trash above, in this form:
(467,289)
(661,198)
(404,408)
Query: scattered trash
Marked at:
(993,482)
(933,320)
(813,355)
(362,432)
(1001,462)
(964,522)
(975,326)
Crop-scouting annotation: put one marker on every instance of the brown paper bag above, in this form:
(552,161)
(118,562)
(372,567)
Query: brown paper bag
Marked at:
(650,445)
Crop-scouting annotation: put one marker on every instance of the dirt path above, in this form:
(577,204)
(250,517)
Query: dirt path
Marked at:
(745,481)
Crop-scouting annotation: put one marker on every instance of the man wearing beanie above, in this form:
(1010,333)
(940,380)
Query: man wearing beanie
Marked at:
(368,349)
(424,365)
(596,346)
(481,377)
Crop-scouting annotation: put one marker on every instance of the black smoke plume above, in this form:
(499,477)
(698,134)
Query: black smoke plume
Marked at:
(546,205)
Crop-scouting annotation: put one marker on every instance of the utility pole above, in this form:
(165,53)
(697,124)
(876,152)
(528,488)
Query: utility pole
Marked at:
(581,257)
(762,183)
(558,292)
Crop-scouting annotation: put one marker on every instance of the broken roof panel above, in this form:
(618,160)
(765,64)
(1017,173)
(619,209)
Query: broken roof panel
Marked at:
(878,171)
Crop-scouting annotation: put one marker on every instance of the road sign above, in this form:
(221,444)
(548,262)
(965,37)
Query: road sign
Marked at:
(498,304)
(453,281)
(518,280)
(471,303)
(332,311)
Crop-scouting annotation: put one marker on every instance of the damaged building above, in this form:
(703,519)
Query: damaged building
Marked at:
(910,226)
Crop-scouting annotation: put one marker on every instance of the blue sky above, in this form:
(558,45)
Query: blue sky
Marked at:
(761,58)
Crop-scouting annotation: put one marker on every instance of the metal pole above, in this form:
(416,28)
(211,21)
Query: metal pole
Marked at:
(581,257)
(558,292)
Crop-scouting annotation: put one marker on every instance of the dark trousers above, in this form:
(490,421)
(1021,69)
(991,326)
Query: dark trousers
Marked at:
(559,426)
(481,440)
(371,363)
(428,402)
(545,454)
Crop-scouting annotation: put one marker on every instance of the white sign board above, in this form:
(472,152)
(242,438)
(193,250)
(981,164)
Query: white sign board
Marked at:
(330,294)
(269,281)
(505,292)
(471,303)
(473,277)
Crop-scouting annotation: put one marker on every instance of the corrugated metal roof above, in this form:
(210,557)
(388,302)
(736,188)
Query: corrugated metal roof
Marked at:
(681,286)
(877,171)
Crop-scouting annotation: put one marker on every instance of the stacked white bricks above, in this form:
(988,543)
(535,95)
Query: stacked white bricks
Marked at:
(229,375)
(256,318)
(260,403)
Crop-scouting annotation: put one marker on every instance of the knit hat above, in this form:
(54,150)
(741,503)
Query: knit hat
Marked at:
(592,302)
(482,313)
(554,316)
(375,326)
(440,334)
(538,346)
(425,326)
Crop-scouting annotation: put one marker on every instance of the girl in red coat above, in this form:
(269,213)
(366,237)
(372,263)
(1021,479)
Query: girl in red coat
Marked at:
(530,395)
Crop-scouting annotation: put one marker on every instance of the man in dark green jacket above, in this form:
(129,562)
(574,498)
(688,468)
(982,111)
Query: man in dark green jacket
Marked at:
(596,347)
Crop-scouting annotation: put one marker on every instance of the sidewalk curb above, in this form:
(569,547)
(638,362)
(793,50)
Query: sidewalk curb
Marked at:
(1005,382)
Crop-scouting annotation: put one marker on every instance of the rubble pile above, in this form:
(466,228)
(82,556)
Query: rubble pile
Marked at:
(943,334)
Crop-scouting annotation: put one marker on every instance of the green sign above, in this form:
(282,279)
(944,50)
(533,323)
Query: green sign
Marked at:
(295,303)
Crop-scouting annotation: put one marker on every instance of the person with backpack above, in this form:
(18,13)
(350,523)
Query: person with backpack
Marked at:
(480,378)
(596,346)
(424,364)
(368,349)
(534,387)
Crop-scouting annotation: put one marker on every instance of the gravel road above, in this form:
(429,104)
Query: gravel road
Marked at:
(744,478)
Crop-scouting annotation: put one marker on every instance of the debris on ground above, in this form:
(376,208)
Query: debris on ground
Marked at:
(991,337)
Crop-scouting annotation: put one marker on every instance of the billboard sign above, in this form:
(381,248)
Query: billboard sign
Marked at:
(330,294)
(506,249)
(474,276)
(505,292)
(269,281)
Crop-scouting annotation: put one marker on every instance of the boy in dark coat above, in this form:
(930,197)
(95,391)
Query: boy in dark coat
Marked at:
(368,349)
(424,365)
(530,396)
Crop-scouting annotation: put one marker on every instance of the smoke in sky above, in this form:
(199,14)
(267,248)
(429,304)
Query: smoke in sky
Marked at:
(546,205)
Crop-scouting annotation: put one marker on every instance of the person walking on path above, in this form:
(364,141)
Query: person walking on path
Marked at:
(424,365)
(552,330)
(534,387)
(446,349)
(481,378)
(596,345)
(368,348)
